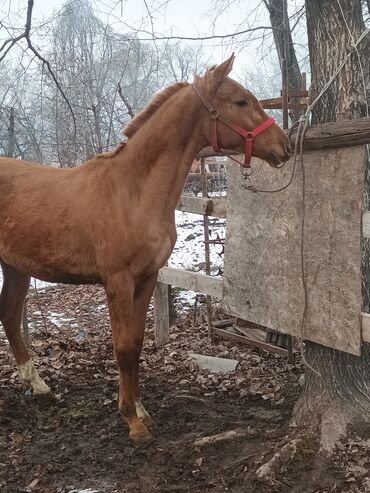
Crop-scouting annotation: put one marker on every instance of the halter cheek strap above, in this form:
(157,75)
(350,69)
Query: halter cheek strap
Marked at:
(248,135)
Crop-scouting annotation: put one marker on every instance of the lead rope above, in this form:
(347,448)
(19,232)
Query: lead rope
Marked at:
(246,174)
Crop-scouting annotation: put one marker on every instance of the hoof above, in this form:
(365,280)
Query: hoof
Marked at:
(142,438)
(28,375)
(40,388)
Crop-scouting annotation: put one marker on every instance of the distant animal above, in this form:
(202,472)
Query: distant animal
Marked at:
(111,221)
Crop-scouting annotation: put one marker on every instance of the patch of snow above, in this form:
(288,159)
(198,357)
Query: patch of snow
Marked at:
(58,319)
(100,307)
(88,490)
(186,297)
(189,251)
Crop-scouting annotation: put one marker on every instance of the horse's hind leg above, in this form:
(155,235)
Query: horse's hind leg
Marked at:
(15,287)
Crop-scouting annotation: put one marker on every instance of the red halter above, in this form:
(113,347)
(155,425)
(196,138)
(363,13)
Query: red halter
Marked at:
(247,134)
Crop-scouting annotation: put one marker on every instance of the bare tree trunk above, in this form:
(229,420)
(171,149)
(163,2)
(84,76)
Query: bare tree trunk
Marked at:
(285,48)
(342,394)
(329,40)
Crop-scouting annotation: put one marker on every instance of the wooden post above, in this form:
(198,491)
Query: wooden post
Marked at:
(206,247)
(161,314)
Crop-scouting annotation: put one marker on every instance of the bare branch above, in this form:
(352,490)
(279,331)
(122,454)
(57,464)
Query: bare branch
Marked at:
(47,63)
(10,42)
(215,36)
(125,102)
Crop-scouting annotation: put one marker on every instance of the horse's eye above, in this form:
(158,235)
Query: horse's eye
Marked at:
(242,103)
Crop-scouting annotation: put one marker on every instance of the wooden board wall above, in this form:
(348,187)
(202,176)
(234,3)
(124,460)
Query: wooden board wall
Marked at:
(262,278)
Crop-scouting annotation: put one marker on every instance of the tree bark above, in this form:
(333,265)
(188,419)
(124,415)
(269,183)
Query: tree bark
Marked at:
(341,394)
(329,41)
(283,36)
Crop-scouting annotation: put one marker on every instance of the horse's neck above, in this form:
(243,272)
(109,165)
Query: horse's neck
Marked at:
(162,151)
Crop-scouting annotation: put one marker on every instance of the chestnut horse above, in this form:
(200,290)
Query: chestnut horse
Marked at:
(111,221)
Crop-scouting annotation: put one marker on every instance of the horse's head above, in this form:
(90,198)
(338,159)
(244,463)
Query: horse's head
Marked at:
(235,110)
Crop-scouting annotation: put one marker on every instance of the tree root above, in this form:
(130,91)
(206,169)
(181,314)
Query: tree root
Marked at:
(226,436)
(278,461)
(324,429)
(333,427)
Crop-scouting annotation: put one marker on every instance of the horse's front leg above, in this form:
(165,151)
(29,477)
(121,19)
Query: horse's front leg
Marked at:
(142,296)
(120,292)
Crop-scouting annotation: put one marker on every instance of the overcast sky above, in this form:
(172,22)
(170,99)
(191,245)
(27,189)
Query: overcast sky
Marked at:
(189,18)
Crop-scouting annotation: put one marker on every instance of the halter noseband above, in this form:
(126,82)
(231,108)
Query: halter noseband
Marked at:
(248,135)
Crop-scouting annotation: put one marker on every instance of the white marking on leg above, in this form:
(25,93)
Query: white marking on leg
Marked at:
(141,412)
(28,374)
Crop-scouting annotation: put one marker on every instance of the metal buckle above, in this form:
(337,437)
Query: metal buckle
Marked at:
(215,114)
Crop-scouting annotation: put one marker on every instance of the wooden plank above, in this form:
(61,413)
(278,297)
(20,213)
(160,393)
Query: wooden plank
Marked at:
(193,281)
(250,342)
(252,333)
(215,207)
(339,134)
(365,327)
(294,93)
(262,274)
(366,224)
(277,103)
(291,106)
(161,314)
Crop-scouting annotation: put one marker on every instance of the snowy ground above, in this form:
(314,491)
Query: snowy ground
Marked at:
(188,254)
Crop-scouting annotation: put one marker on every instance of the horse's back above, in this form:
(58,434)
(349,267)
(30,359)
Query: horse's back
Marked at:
(42,220)
(16,175)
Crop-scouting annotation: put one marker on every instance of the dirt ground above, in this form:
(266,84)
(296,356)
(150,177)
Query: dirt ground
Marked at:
(77,441)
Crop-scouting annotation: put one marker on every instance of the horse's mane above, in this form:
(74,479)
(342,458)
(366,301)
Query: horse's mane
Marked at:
(113,152)
(152,107)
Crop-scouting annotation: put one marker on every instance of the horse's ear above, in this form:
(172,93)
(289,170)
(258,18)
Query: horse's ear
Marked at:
(221,71)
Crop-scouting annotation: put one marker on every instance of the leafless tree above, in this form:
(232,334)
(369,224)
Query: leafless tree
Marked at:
(341,395)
